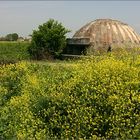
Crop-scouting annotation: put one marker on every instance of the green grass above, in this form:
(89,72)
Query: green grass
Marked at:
(55,63)
(11,52)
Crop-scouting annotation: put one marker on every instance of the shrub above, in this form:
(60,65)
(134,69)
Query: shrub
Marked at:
(48,40)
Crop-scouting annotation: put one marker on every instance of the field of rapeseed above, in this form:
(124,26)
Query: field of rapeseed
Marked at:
(94,98)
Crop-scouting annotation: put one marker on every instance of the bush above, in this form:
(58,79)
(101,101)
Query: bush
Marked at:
(95,98)
(48,40)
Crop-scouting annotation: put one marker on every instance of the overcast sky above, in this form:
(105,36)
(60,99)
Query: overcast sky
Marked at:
(23,17)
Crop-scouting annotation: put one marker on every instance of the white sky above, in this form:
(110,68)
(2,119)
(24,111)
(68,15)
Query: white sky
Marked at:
(23,17)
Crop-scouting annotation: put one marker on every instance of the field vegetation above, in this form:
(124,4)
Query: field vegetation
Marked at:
(93,98)
(11,52)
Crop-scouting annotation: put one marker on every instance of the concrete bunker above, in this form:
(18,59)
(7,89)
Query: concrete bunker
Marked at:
(99,35)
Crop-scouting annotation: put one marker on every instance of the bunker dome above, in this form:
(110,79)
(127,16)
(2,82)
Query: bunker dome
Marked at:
(100,35)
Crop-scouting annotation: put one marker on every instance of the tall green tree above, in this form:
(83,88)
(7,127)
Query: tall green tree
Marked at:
(49,39)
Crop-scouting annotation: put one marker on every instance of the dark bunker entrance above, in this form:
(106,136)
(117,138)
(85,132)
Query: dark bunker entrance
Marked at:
(75,49)
(77,46)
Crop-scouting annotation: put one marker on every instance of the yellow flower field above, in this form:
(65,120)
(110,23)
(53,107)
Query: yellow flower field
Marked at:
(93,98)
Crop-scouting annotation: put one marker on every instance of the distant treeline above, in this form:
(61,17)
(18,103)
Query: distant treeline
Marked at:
(13,37)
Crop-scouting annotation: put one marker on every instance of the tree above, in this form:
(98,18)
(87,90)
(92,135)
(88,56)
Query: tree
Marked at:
(12,37)
(8,37)
(48,40)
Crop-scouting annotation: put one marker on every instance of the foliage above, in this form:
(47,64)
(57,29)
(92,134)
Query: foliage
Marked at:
(94,98)
(11,52)
(11,37)
(48,40)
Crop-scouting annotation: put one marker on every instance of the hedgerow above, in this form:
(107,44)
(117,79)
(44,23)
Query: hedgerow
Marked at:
(95,98)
